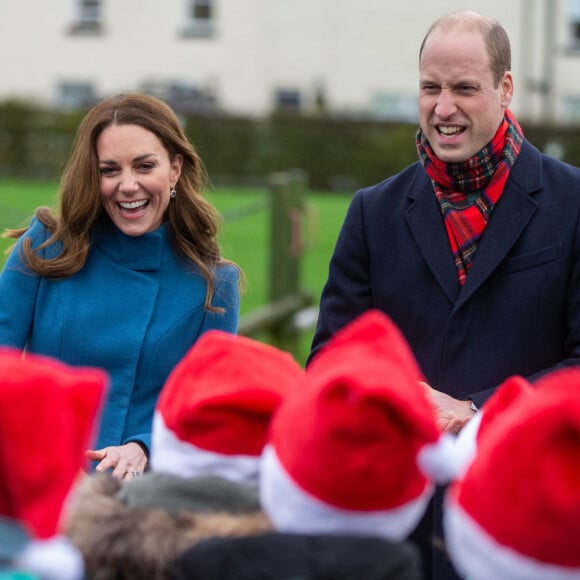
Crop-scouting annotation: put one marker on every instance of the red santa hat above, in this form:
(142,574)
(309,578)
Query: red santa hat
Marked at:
(344,452)
(515,513)
(214,411)
(48,412)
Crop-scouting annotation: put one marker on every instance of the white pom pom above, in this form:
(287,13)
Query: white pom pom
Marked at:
(439,461)
(466,444)
(52,559)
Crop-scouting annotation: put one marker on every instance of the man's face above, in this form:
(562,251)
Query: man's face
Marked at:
(460,108)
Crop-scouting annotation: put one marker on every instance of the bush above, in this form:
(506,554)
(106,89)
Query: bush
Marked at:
(34,143)
(337,154)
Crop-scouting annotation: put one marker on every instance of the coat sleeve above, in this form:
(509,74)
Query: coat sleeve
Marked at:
(347,292)
(18,292)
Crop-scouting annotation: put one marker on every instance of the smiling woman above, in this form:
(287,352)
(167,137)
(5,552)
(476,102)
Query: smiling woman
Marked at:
(137,177)
(128,274)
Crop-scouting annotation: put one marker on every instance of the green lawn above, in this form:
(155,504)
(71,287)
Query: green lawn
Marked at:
(244,240)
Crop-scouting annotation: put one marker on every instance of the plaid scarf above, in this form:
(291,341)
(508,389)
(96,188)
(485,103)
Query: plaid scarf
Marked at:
(467,192)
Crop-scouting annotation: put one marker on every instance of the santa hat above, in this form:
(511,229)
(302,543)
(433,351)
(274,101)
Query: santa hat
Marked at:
(214,411)
(48,411)
(515,513)
(496,407)
(344,451)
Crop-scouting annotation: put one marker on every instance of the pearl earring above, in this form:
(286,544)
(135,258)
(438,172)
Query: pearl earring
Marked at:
(173,193)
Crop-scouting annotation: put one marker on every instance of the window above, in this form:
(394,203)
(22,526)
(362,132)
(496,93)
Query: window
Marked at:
(571,109)
(88,17)
(89,10)
(574,23)
(199,18)
(182,96)
(75,95)
(287,101)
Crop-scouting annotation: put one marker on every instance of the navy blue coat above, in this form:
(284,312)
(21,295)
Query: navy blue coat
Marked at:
(519,310)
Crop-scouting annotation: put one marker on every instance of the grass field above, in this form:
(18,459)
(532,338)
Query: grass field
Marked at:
(244,240)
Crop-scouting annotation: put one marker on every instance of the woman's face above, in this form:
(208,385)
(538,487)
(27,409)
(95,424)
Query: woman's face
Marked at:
(136,177)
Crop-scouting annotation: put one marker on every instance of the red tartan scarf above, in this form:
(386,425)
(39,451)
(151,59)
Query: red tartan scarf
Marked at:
(467,192)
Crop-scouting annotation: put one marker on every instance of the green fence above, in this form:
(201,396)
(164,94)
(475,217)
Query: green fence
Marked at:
(277,319)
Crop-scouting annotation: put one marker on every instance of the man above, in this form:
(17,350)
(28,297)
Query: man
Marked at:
(473,251)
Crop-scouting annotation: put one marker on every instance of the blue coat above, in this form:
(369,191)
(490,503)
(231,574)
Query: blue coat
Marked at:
(134,309)
(519,310)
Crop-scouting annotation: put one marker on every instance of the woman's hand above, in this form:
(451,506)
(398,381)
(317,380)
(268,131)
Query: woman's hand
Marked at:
(126,461)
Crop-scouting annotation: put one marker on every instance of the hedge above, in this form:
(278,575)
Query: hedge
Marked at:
(337,154)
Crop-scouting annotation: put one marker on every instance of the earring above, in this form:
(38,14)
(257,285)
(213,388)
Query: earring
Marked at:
(173,193)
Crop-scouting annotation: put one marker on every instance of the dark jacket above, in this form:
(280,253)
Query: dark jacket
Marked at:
(518,312)
(278,556)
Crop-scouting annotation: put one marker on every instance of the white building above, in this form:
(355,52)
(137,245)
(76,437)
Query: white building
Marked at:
(249,56)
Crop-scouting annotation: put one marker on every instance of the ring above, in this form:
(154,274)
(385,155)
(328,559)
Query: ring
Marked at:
(133,473)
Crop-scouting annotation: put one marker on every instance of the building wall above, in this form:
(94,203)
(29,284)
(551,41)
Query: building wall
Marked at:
(358,58)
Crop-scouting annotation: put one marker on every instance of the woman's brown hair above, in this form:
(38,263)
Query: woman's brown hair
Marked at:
(192,221)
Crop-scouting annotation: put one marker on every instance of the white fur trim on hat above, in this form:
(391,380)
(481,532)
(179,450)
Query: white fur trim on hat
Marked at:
(478,556)
(466,444)
(174,456)
(52,559)
(439,460)
(293,510)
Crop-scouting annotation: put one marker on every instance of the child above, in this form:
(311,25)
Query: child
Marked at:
(48,412)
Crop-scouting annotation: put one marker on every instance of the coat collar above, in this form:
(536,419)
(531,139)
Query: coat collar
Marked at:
(508,220)
(143,253)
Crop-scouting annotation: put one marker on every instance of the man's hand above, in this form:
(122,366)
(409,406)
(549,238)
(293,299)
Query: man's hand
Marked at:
(452,414)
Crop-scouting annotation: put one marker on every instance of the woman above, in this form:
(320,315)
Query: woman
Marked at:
(128,275)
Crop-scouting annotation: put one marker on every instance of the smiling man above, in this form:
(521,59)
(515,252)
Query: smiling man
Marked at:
(474,250)
(463,94)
